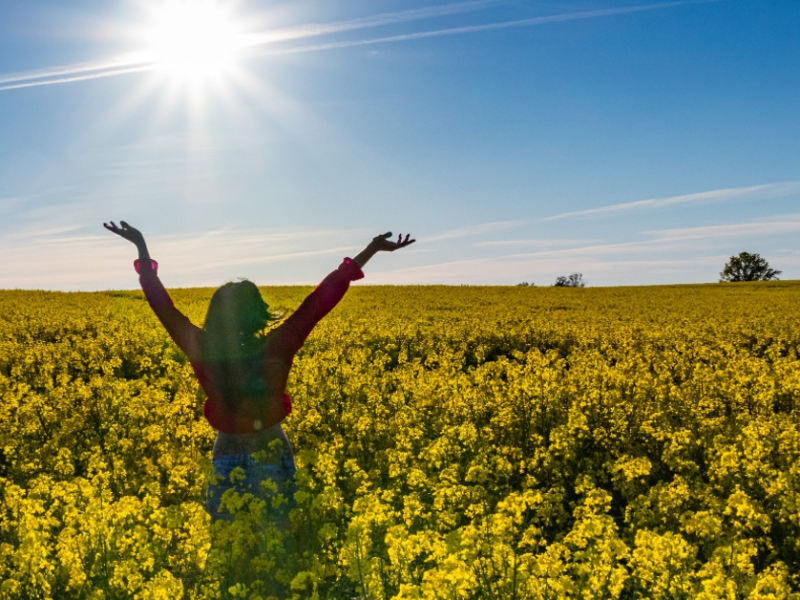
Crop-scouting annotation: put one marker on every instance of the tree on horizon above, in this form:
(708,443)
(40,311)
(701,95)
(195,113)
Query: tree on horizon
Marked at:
(574,280)
(748,267)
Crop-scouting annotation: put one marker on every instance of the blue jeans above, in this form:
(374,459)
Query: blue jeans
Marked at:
(255,471)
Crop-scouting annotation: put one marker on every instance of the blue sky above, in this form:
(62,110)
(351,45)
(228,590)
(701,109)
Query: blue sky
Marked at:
(635,142)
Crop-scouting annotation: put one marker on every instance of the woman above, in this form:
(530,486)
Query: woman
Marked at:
(244,371)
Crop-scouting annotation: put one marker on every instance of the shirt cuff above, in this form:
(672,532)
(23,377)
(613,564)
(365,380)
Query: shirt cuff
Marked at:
(350,269)
(140,266)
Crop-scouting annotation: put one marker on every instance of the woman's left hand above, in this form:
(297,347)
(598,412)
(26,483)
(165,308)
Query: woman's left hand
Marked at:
(127,232)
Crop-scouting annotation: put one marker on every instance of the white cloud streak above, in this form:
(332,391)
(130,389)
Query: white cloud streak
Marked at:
(86,77)
(6,204)
(75,69)
(536,242)
(693,254)
(508,271)
(675,240)
(472,230)
(70,257)
(382,20)
(756,192)
(67,256)
(135,63)
(788,224)
(590,14)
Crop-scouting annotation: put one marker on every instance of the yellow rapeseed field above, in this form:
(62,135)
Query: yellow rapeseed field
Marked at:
(452,442)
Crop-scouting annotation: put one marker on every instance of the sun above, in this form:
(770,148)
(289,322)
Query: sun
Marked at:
(193,40)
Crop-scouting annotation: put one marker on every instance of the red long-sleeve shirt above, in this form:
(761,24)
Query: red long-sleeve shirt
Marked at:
(280,346)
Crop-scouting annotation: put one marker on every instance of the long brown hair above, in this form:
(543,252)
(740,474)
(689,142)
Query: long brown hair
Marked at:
(233,341)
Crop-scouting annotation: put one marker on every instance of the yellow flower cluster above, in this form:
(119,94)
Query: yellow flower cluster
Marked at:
(464,442)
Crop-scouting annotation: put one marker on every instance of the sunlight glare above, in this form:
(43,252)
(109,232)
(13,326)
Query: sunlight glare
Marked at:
(193,40)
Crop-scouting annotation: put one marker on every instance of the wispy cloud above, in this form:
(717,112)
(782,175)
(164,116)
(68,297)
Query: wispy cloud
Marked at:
(787,224)
(756,192)
(472,230)
(68,256)
(71,257)
(675,240)
(538,242)
(686,255)
(6,204)
(137,62)
(511,270)
(233,248)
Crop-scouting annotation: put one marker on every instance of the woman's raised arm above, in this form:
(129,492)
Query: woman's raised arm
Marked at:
(185,334)
(292,333)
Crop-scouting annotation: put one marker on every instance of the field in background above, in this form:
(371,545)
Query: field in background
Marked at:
(452,442)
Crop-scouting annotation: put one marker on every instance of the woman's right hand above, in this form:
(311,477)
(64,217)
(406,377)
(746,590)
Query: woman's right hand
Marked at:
(383,243)
(127,232)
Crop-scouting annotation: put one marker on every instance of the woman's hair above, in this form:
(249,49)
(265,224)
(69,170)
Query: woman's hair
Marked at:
(232,344)
(235,315)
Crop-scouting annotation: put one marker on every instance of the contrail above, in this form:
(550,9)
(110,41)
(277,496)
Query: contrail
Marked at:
(756,192)
(81,72)
(16,86)
(122,61)
(589,14)
(392,18)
